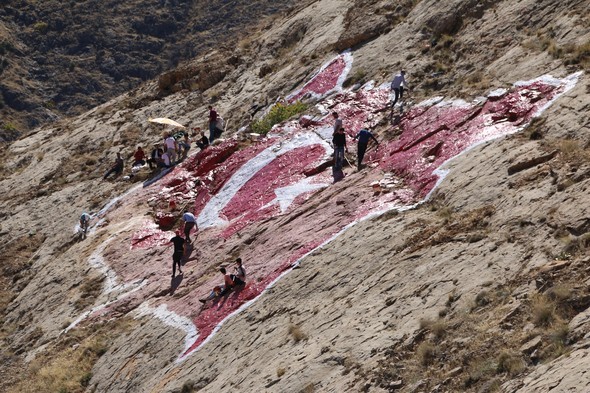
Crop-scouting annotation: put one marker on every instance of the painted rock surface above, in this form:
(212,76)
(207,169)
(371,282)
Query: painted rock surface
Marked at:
(270,189)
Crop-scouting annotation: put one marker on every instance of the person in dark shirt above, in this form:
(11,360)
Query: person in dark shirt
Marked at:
(117,167)
(203,142)
(363,137)
(178,252)
(156,157)
(212,123)
(339,142)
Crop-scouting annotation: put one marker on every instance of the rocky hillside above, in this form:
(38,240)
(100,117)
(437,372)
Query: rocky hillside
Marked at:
(456,260)
(60,59)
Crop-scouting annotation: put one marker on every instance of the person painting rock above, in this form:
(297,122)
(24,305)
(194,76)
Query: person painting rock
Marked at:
(398,84)
(363,137)
(339,142)
(190,222)
(84,223)
(178,242)
(117,167)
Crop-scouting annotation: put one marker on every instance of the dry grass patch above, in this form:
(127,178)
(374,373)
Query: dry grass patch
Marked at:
(66,366)
(510,362)
(438,328)
(296,333)
(426,353)
(543,311)
(281,371)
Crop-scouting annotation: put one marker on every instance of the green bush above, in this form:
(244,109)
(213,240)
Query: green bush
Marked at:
(41,27)
(277,114)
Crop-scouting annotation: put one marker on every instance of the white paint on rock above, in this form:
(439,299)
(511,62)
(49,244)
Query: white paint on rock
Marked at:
(172,319)
(210,215)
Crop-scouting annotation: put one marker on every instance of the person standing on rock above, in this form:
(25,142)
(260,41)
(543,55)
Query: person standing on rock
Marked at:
(189,223)
(178,242)
(363,137)
(212,123)
(397,86)
(171,147)
(84,223)
(337,122)
(117,167)
(339,142)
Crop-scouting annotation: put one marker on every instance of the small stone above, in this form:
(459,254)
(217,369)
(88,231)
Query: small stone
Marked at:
(531,345)
(454,372)
(396,384)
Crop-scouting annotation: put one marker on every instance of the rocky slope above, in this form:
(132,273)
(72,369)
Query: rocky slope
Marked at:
(59,59)
(482,288)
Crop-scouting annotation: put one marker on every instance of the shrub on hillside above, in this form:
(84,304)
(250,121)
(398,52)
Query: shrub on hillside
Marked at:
(277,114)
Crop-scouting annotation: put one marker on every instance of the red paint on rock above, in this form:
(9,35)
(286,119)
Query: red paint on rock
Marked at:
(324,81)
(430,135)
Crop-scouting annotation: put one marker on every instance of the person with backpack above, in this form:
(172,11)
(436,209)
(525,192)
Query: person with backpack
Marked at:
(339,142)
(397,86)
(363,137)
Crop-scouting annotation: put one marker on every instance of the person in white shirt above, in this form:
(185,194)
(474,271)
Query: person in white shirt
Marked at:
(397,86)
(190,222)
(337,122)
(164,161)
(171,147)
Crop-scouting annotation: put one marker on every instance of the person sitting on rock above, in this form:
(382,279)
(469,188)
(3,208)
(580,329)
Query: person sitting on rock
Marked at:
(239,278)
(185,144)
(220,290)
(117,167)
(203,142)
(138,157)
(155,157)
(165,161)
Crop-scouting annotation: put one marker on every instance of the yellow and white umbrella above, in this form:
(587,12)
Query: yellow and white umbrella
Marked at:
(165,120)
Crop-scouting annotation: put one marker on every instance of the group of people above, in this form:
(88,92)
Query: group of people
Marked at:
(173,148)
(364,136)
(339,142)
(230,281)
